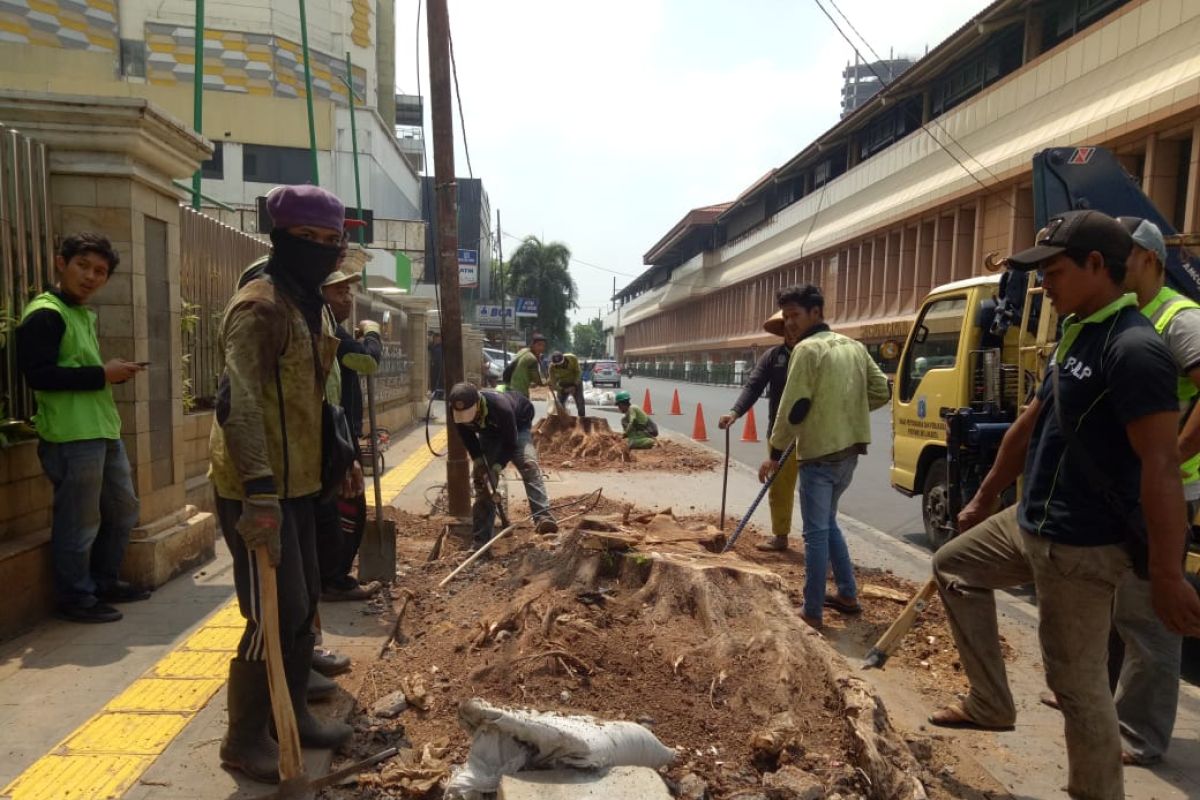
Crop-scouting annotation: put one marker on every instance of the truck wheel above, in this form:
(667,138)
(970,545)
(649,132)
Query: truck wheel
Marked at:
(935,505)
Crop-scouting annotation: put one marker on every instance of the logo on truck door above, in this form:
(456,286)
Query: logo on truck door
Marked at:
(1082,155)
(921,408)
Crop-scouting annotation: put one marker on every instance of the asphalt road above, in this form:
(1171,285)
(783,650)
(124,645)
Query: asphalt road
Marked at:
(870,497)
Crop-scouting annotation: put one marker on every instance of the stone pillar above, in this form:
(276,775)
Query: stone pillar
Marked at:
(112,161)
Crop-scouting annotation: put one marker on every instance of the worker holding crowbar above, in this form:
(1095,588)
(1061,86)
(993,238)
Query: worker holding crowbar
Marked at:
(769,375)
(497,428)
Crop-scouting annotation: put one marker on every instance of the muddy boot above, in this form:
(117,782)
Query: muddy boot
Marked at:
(313,732)
(320,687)
(774,544)
(247,746)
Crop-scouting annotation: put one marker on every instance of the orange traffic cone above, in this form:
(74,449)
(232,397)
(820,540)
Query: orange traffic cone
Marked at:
(750,429)
(646,403)
(676,411)
(699,433)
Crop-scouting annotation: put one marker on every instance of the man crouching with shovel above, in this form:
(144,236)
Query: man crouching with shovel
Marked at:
(278,345)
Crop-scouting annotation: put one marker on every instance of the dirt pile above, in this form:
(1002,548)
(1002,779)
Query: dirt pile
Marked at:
(590,444)
(638,616)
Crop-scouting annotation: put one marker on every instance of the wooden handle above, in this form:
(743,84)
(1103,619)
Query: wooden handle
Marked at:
(887,643)
(291,760)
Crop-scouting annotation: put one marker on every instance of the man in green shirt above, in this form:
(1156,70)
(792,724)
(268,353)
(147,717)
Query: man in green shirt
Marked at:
(526,367)
(566,379)
(640,431)
(81,451)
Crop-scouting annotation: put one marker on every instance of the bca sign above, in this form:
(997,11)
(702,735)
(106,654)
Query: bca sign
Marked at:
(468,268)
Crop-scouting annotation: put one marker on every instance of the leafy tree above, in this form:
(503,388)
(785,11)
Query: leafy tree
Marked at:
(588,339)
(541,270)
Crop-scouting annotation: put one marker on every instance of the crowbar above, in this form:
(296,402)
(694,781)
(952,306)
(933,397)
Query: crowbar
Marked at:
(761,493)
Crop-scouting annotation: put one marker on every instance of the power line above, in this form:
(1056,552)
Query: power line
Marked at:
(924,126)
(462,121)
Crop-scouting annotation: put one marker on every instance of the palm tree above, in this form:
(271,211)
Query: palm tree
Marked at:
(541,270)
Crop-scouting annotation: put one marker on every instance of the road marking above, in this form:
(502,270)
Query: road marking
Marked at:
(107,754)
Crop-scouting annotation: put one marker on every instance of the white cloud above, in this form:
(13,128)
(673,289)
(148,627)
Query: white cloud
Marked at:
(600,125)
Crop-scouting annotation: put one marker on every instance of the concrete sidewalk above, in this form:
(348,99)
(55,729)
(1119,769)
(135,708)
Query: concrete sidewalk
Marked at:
(136,709)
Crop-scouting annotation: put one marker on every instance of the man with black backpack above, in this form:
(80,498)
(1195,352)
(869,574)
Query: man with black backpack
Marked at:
(1108,399)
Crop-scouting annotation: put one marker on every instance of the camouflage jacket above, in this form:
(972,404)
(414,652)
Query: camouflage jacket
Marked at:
(266,436)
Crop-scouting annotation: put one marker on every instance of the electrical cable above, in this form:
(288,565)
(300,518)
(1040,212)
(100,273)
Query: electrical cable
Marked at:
(462,121)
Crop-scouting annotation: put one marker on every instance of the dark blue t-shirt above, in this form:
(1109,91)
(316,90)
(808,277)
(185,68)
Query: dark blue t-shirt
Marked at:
(1113,368)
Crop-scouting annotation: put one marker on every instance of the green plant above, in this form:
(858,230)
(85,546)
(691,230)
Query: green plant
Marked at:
(189,318)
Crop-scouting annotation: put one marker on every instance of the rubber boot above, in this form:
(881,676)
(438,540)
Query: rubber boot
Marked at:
(247,747)
(313,732)
(320,687)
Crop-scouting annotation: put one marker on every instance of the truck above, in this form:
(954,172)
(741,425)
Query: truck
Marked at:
(979,347)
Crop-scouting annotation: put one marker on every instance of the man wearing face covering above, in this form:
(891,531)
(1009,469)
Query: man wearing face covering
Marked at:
(278,345)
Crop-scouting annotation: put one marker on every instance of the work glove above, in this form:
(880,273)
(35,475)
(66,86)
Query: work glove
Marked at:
(259,525)
(368,326)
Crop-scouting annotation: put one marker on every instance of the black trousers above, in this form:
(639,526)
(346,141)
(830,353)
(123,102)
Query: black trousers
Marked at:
(340,526)
(297,576)
(575,391)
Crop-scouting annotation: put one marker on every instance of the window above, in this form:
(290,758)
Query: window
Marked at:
(214,168)
(263,163)
(933,343)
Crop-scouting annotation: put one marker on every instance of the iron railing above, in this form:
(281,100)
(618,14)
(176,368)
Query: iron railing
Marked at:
(26,254)
(717,374)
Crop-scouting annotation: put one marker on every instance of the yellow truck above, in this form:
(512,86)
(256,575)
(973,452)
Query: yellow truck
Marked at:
(979,347)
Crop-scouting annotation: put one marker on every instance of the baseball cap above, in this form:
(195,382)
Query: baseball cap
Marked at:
(1146,235)
(774,325)
(290,206)
(464,401)
(1076,230)
(337,276)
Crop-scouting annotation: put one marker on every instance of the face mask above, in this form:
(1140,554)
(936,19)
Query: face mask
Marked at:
(301,261)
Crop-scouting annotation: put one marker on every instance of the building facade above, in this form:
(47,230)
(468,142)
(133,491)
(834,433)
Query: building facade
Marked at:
(913,189)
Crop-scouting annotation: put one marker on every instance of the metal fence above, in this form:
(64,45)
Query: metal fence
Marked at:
(718,374)
(26,253)
(212,258)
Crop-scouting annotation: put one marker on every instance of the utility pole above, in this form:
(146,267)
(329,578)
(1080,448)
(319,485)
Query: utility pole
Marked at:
(308,97)
(198,94)
(446,249)
(503,303)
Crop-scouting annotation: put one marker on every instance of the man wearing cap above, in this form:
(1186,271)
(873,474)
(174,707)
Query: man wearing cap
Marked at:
(496,428)
(638,428)
(341,521)
(526,367)
(832,387)
(1108,397)
(278,345)
(1147,693)
(566,379)
(770,375)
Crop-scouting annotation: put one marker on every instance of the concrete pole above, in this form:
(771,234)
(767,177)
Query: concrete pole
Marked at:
(446,249)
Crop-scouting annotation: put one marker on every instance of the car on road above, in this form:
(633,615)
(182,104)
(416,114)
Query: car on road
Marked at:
(493,361)
(606,373)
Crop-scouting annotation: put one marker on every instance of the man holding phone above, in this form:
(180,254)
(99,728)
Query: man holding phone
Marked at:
(81,451)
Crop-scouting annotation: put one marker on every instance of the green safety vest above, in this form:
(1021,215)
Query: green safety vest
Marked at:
(71,416)
(1160,311)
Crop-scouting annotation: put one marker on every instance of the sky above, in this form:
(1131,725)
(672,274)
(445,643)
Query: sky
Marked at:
(600,125)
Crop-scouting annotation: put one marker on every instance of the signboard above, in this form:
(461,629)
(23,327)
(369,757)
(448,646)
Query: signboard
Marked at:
(403,271)
(468,269)
(492,313)
(526,306)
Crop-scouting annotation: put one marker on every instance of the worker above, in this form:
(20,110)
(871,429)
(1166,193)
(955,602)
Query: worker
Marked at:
(566,379)
(525,369)
(1108,398)
(1147,691)
(79,433)
(832,386)
(497,428)
(770,375)
(341,520)
(278,345)
(640,430)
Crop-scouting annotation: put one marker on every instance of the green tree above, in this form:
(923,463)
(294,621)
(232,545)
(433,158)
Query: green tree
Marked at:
(588,339)
(540,270)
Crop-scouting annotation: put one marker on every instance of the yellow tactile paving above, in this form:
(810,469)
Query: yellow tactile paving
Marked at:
(131,732)
(106,755)
(165,694)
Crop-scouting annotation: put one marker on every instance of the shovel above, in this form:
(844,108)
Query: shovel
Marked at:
(761,494)
(377,553)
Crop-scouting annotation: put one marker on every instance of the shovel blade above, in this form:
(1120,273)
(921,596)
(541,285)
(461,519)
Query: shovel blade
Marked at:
(377,553)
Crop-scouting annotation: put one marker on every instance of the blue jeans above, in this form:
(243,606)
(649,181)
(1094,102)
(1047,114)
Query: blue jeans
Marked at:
(483,511)
(95,508)
(821,486)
